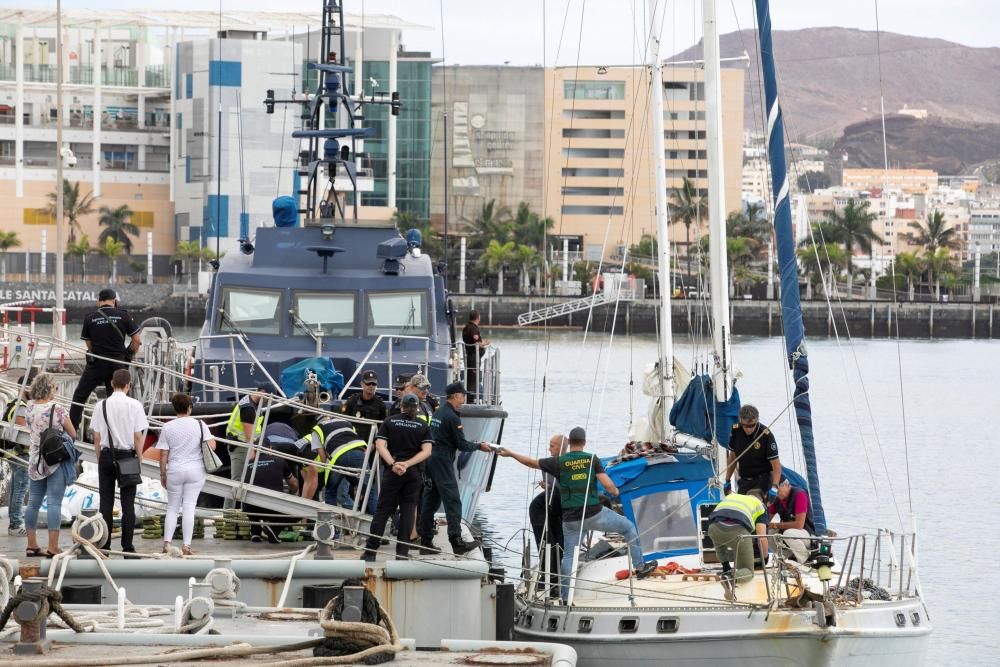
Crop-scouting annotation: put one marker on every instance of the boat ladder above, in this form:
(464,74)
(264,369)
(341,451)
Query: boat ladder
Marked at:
(574,306)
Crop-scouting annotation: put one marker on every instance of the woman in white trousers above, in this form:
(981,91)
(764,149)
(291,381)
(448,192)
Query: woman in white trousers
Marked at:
(182,469)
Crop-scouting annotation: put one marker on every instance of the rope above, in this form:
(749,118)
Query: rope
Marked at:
(48,600)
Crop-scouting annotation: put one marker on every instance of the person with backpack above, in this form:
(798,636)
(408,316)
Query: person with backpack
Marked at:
(119,423)
(49,471)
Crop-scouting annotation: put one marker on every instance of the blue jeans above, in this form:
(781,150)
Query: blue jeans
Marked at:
(51,489)
(18,489)
(337,488)
(607,521)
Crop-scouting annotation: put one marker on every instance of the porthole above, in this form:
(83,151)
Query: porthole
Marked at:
(528,620)
(915,618)
(585,625)
(666,625)
(553,624)
(628,625)
(900,619)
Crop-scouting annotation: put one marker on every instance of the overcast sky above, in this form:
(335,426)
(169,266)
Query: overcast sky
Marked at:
(498,31)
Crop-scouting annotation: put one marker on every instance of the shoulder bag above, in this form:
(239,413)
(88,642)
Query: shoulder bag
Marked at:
(51,442)
(127,466)
(208,455)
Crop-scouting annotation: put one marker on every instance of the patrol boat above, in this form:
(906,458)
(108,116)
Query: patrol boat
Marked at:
(856,597)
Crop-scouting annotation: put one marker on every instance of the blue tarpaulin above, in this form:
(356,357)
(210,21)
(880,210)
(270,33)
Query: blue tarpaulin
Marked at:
(285,211)
(697,412)
(293,378)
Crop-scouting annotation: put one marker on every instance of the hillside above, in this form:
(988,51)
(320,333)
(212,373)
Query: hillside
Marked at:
(829,78)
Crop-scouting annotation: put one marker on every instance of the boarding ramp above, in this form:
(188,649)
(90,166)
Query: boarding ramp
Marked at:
(575,306)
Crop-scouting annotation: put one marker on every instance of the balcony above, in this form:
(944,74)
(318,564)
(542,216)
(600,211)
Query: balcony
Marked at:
(153,76)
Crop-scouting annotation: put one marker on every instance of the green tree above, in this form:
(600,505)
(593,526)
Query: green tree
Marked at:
(111,250)
(75,206)
(496,257)
(645,250)
(932,234)
(739,255)
(8,240)
(80,249)
(853,228)
(528,228)
(938,263)
(527,258)
(688,207)
(752,226)
(584,272)
(117,223)
(821,264)
(908,264)
(492,223)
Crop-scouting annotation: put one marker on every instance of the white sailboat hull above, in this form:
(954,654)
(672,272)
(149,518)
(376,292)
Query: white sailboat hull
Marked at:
(869,635)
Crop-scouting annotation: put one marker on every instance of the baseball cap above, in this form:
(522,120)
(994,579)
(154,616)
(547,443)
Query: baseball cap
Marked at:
(369,376)
(578,433)
(420,381)
(107,294)
(455,388)
(400,381)
(410,400)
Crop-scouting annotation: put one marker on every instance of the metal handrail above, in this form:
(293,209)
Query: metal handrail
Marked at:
(378,341)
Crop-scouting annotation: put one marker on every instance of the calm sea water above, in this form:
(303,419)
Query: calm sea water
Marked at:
(871,474)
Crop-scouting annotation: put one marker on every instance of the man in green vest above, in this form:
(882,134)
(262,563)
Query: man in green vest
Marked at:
(578,473)
(729,526)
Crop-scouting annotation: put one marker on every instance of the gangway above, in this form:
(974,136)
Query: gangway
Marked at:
(575,306)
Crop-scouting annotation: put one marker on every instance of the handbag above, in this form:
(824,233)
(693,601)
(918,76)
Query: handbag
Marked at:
(51,442)
(208,456)
(128,468)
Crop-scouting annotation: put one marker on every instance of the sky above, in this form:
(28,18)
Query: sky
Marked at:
(528,32)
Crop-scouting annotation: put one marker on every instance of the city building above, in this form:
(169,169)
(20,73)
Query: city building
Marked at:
(907,180)
(984,230)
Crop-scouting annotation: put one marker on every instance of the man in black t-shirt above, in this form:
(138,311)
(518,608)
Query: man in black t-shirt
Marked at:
(402,443)
(270,472)
(754,453)
(367,405)
(108,332)
(475,345)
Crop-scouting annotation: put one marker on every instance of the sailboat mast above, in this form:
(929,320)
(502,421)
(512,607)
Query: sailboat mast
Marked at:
(666,342)
(719,266)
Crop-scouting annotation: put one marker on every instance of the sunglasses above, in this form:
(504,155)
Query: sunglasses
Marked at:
(744,425)
(371,384)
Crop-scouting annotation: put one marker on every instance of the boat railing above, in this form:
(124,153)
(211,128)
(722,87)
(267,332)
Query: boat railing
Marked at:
(389,340)
(213,371)
(486,374)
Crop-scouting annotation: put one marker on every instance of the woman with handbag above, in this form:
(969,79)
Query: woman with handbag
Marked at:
(183,443)
(48,481)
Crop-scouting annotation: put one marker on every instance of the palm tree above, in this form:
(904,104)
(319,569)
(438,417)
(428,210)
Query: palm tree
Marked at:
(688,207)
(937,263)
(80,249)
(111,250)
(932,234)
(492,223)
(645,249)
(529,228)
(739,254)
(117,226)
(74,206)
(910,265)
(819,261)
(496,257)
(527,258)
(8,240)
(853,228)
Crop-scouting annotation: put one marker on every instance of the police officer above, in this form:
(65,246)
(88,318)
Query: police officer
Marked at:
(109,332)
(367,405)
(244,424)
(729,523)
(403,442)
(475,346)
(449,439)
(335,443)
(753,451)
(420,386)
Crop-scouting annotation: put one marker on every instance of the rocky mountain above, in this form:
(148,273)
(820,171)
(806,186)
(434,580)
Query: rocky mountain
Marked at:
(829,78)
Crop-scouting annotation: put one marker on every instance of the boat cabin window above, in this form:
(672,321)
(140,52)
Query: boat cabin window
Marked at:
(402,313)
(665,521)
(333,312)
(250,310)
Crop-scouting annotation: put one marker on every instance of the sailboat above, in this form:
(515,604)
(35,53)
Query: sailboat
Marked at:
(856,599)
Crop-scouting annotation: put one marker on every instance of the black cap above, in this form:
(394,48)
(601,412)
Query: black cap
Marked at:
(400,381)
(455,388)
(409,400)
(369,376)
(107,294)
(578,433)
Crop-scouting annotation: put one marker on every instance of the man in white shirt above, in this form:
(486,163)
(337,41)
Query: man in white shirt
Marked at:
(120,422)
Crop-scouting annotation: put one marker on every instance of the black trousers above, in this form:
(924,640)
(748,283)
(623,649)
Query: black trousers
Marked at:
(472,377)
(550,507)
(107,480)
(761,481)
(399,491)
(443,491)
(96,373)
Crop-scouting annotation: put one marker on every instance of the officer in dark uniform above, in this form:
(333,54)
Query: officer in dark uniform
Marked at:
(366,404)
(754,452)
(110,332)
(449,439)
(475,345)
(403,442)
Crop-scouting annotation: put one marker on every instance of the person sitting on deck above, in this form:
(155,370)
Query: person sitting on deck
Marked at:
(729,524)
(794,514)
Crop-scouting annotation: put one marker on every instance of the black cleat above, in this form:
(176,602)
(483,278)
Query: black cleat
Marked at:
(646,570)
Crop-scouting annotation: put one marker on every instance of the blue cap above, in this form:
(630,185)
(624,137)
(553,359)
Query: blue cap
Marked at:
(410,400)
(455,388)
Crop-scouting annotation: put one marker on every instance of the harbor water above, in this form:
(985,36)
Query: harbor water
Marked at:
(902,434)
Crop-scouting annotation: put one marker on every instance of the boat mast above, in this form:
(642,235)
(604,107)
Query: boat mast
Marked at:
(722,376)
(665,342)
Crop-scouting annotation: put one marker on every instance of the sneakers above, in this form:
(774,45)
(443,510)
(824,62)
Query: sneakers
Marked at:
(646,570)
(460,546)
(17,531)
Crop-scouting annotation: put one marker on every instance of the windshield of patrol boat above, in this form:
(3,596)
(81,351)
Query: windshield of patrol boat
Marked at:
(251,310)
(331,312)
(403,313)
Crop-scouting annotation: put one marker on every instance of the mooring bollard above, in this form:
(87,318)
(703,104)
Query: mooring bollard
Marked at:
(324,534)
(31,615)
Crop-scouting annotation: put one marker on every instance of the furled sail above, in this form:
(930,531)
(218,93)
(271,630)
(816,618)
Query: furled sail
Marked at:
(791,308)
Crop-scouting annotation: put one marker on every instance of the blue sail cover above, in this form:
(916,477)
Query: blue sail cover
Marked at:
(293,378)
(697,412)
(791,308)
